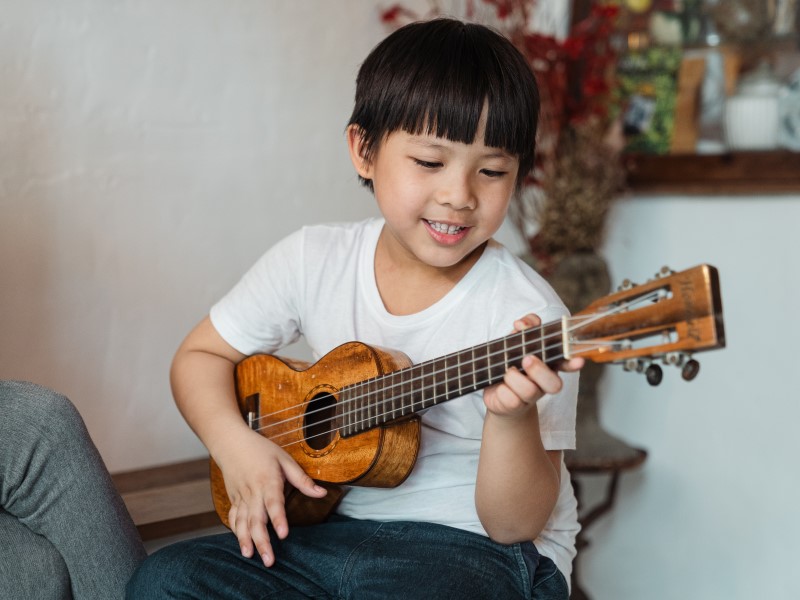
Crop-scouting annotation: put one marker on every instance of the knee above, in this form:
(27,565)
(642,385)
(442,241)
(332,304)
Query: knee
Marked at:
(35,401)
(30,406)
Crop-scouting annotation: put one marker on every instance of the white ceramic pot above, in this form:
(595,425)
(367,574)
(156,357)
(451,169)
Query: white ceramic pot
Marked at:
(752,115)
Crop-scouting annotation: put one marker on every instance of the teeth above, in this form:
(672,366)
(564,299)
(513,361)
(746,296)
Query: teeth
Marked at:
(443,228)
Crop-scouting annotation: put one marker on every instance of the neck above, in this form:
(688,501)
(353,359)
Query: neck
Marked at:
(407,285)
(402,393)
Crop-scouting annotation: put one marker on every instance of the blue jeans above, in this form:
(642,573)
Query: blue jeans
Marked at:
(351,559)
(64,530)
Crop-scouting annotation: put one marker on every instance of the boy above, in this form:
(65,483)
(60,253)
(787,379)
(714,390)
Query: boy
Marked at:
(443,132)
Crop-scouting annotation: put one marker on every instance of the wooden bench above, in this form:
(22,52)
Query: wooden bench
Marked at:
(170,499)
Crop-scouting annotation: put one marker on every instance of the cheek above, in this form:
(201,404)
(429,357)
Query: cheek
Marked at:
(496,206)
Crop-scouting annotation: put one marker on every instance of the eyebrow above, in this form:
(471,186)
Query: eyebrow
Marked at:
(423,143)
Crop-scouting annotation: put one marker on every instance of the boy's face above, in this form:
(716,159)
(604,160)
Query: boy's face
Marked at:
(441,200)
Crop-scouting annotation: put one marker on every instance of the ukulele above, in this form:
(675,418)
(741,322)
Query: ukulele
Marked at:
(351,418)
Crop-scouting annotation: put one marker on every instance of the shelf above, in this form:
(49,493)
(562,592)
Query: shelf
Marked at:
(735,173)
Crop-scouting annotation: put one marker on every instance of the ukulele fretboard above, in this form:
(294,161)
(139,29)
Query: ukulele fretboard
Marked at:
(402,393)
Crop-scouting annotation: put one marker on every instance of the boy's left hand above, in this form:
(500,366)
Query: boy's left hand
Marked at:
(521,389)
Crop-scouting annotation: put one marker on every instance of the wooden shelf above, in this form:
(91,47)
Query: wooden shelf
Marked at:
(713,174)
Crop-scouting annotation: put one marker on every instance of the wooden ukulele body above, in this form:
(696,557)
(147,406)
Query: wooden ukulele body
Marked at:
(293,404)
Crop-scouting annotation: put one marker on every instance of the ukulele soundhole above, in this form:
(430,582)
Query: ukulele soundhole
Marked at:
(319,422)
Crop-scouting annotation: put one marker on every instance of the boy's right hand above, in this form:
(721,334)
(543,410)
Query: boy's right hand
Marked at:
(255,472)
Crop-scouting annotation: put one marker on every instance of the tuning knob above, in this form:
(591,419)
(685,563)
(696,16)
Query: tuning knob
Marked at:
(625,285)
(690,370)
(664,272)
(654,375)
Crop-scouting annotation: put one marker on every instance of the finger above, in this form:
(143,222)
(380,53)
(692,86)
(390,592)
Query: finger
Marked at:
(298,478)
(526,322)
(257,526)
(518,389)
(238,523)
(276,510)
(547,380)
(572,365)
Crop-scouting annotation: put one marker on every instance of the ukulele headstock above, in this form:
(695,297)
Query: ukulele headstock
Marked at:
(667,319)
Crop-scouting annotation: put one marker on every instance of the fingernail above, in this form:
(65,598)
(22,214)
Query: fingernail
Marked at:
(267,559)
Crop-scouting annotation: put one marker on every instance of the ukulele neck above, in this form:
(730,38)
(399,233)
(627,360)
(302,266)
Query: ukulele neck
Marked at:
(374,402)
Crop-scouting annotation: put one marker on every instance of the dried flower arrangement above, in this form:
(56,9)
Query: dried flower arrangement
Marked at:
(578,172)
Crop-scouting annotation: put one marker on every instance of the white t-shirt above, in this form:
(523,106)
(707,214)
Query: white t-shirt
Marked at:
(319,283)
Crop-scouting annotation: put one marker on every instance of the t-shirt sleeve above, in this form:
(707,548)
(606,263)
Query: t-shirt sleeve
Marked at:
(262,312)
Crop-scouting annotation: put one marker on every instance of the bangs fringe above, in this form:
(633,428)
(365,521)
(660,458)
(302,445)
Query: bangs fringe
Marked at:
(436,77)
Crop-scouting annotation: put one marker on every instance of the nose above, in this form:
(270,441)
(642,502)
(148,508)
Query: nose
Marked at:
(457,192)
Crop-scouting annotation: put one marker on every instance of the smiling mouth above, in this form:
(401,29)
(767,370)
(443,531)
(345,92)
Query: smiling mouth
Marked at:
(444,228)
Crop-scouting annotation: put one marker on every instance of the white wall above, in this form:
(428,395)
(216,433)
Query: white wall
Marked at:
(150,151)
(713,511)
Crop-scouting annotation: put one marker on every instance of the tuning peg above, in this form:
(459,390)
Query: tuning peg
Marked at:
(664,272)
(654,375)
(674,358)
(690,370)
(625,285)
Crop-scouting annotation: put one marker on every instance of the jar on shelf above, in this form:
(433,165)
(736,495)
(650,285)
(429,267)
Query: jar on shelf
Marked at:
(752,114)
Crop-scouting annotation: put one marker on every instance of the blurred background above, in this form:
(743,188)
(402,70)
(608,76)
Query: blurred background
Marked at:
(150,152)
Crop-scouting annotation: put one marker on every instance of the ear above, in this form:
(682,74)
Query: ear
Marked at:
(355,139)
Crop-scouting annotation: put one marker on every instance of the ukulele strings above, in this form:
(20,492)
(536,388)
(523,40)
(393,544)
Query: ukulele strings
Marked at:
(369,418)
(355,399)
(578,322)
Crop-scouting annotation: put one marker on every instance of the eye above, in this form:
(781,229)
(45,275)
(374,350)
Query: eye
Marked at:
(427,164)
(491,173)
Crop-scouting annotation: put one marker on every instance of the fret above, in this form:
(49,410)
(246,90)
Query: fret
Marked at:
(370,403)
(375,408)
(412,384)
(496,368)
(524,343)
(428,382)
(481,366)
(543,343)
(446,375)
(439,376)
(417,391)
(348,411)
(363,406)
(382,412)
(341,419)
(392,408)
(458,371)
(353,408)
(474,371)
(505,353)
(555,348)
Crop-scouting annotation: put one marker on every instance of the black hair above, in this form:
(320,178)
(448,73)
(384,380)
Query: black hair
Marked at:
(435,76)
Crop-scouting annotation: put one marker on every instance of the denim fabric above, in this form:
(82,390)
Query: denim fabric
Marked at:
(342,559)
(63,527)
(547,582)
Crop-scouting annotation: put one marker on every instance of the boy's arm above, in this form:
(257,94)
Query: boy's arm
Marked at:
(518,480)
(254,468)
